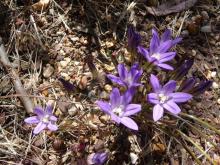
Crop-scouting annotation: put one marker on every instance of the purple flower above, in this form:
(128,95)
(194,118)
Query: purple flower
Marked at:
(158,52)
(98,158)
(184,68)
(119,108)
(44,119)
(134,39)
(164,97)
(201,87)
(127,78)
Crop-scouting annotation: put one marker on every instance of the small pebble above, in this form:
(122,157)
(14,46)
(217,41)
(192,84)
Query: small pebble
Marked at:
(48,71)
(108,87)
(215,85)
(218,101)
(72,111)
(65,76)
(64,63)
(206,29)
(205,15)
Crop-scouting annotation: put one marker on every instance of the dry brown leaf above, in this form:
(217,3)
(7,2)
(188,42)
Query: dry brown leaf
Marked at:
(41,5)
(170,7)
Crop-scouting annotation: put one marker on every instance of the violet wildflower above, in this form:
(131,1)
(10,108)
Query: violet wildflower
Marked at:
(134,39)
(119,108)
(98,158)
(127,78)
(44,119)
(164,97)
(158,52)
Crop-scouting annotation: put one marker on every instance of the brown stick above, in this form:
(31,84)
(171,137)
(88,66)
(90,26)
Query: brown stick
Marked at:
(15,79)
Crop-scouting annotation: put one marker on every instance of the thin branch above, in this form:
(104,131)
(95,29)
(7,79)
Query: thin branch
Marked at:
(15,79)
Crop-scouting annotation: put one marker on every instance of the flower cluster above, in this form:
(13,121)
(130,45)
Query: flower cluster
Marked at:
(166,97)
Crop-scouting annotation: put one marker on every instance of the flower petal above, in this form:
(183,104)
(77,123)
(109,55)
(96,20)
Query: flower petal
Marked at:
(32,120)
(115,98)
(122,71)
(154,42)
(153,98)
(172,107)
(105,106)
(165,66)
(128,122)
(49,109)
(115,79)
(144,52)
(180,97)
(166,35)
(166,56)
(132,109)
(53,118)
(41,126)
(169,87)
(164,47)
(127,97)
(176,41)
(155,83)
(39,111)
(157,112)
(52,127)
(115,118)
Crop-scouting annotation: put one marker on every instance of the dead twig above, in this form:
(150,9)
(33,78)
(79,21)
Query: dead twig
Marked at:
(15,79)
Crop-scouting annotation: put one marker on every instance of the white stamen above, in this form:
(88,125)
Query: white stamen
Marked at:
(156,55)
(45,119)
(163,98)
(118,111)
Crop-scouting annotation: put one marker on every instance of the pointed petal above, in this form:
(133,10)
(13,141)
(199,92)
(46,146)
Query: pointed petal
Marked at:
(137,76)
(165,66)
(115,79)
(166,35)
(144,52)
(127,97)
(180,97)
(166,56)
(157,112)
(169,87)
(153,98)
(105,106)
(122,71)
(39,111)
(115,118)
(172,107)
(128,122)
(176,41)
(187,84)
(155,83)
(52,127)
(164,47)
(132,109)
(154,42)
(115,97)
(53,118)
(32,120)
(41,126)
(49,109)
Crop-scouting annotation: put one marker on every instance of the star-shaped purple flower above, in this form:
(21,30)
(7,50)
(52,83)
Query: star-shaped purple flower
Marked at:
(158,52)
(127,78)
(164,97)
(44,119)
(119,108)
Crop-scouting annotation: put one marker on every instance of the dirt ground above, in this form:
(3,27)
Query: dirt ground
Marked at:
(61,51)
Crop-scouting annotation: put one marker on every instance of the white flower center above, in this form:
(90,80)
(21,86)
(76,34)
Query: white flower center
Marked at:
(118,111)
(156,55)
(162,98)
(45,119)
